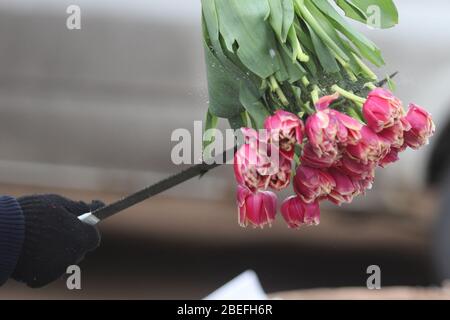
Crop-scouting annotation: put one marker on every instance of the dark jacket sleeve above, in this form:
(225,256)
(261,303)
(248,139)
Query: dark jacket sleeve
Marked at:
(12,234)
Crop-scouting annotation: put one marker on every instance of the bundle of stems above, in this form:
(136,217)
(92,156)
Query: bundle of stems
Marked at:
(266,55)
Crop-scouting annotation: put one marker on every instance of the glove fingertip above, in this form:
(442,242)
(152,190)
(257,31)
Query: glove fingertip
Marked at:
(92,237)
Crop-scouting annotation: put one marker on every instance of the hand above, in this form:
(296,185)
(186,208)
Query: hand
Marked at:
(54,238)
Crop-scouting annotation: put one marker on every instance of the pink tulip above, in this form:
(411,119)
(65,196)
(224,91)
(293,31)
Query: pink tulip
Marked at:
(349,129)
(312,184)
(391,157)
(251,136)
(382,109)
(346,188)
(422,127)
(280,180)
(297,213)
(252,168)
(322,131)
(312,214)
(256,208)
(395,134)
(285,130)
(258,140)
(371,147)
(365,184)
(311,159)
(325,101)
(357,169)
(329,131)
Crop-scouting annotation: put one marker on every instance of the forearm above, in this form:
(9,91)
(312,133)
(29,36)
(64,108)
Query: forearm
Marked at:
(12,234)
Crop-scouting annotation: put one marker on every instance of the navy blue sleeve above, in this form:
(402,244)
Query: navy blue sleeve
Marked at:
(12,235)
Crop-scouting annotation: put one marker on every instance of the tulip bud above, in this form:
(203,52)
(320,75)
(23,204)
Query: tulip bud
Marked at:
(366,183)
(391,157)
(325,101)
(312,184)
(280,180)
(357,169)
(422,127)
(322,131)
(349,129)
(371,147)
(395,134)
(382,109)
(251,168)
(256,208)
(285,130)
(311,159)
(346,188)
(297,213)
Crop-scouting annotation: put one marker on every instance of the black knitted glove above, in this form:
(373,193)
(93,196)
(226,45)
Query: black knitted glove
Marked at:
(54,238)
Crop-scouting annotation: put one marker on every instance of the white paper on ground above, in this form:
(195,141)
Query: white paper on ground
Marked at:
(244,287)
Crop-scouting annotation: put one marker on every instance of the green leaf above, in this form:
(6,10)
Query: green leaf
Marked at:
(222,87)
(281,17)
(210,123)
(324,54)
(321,26)
(290,70)
(367,48)
(225,74)
(210,19)
(253,105)
(376,13)
(210,24)
(237,121)
(306,41)
(243,23)
(353,9)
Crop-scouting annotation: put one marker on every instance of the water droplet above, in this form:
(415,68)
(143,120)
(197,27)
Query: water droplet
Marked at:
(272,53)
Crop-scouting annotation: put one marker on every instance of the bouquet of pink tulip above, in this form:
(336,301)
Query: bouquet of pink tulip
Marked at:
(335,156)
(268,63)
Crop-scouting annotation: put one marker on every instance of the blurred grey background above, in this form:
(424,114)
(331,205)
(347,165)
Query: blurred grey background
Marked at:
(89,113)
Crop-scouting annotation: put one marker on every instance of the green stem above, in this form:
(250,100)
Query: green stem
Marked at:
(305,81)
(349,95)
(276,88)
(347,69)
(298,99)
(341,61)
(264,85)
(370,85)
(353,112)
(297,160)
(307,109)
(365,69)
(296,47)
(351,75)
(301,9)
(315,94)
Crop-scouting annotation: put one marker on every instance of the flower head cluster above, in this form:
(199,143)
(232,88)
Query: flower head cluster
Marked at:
(337,156)
(265,161)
